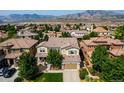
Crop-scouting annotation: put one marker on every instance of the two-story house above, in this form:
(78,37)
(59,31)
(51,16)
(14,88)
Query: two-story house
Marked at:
(68,48)
(13,48)
(1,56)
(25,33)
(115,47)
(101,31)
(77,33)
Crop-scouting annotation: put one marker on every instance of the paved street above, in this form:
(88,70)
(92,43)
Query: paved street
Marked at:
(71,76)
(2,79)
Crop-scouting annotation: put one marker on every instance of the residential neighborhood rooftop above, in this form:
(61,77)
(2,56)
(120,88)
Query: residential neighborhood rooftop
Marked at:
(60,42)
(117,52)
(19,43)
(100,30)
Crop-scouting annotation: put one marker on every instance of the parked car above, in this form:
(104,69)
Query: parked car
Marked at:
(0,66)
(3,71)
(10,73)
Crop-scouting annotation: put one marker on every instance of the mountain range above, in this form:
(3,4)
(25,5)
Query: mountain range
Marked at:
(89,15)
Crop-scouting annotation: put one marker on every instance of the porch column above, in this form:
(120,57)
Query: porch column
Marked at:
(62,66)
(38,60)
(8,61)
(14,61)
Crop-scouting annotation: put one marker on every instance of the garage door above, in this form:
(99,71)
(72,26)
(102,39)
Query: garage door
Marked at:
(70,66)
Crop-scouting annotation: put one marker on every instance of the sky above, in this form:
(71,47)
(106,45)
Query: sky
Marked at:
(42,12)
(45,12)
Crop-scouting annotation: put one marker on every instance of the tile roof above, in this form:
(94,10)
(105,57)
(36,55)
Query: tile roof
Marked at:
(13,55)
(60,42)
(100,30)
(76,31)
(26,33)
(19,43)
(102,41)
(117,52)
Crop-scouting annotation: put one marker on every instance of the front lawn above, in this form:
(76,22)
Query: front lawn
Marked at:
(49,77)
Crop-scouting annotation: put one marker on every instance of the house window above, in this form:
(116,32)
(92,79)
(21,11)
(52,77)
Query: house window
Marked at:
(42,50)
(21,50)
(72,52)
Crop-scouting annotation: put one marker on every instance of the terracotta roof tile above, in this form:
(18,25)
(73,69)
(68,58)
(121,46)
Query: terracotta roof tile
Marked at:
(13,55)
(60,42)
(100,30)
(117,52)
(19,43)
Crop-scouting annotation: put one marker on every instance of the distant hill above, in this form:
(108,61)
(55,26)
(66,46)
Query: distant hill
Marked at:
(1,21)
(97,15)
(25,17)
(89,15)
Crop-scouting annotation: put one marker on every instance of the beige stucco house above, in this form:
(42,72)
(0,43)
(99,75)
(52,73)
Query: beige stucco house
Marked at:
(101,31)
(68,47)
(115,47)
(13,48)
(77,33)
(26,33)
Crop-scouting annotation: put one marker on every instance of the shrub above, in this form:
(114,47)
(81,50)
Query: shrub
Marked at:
(18,79)
(83,73)
(85,37)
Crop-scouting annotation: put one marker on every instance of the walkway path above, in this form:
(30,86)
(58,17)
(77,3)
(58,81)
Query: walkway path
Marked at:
(71,75)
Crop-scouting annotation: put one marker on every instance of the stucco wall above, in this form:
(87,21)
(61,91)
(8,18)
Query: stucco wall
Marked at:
(65,52)
(39,48)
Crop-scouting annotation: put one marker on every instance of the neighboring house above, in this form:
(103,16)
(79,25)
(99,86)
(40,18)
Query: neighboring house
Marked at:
(3,34)
(115,47)
(1,56)
(116,52)
(77,33)
(68,47)
(113,27)
(13,48)
(101,31)
(53,34)
(26,34)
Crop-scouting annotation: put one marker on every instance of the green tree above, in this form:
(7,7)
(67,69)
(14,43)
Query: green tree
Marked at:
(47,27)
(46,38)
(66,34)
(85,37)
(10,29)
(39,36)
(68,25)
(93,34)
(94,26)
(55,58)
(83,73)
(80,24)
(57,28)
(113,71)
(27,66)
(99,57)
(119,33)
(76,26)
(105,27)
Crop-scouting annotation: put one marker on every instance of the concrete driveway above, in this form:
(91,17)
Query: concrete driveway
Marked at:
(71,75)
(11,79)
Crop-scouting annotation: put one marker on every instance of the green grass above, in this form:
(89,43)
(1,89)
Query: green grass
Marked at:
(48,77)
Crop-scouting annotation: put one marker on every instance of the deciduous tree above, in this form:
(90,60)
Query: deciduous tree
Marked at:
(27,66)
